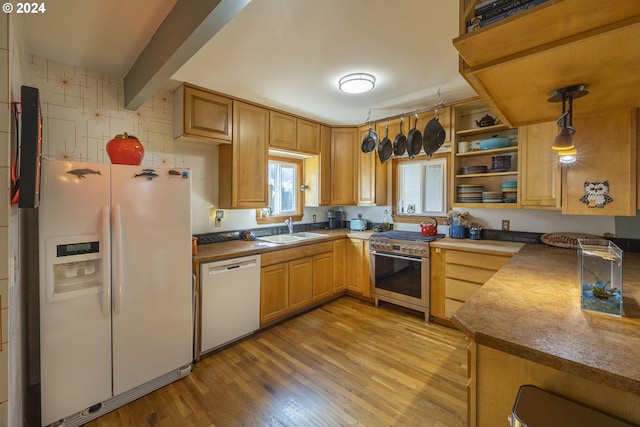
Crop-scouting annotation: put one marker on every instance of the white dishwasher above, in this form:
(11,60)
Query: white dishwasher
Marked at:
(230,297)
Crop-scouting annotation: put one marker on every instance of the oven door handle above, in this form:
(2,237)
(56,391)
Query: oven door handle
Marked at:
(387,254)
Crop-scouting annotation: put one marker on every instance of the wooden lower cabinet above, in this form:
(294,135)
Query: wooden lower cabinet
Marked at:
(357,267)
(456,275)
(322,276)
(292,280)
(274,292)
(495,378)
(300,282)
(339,270)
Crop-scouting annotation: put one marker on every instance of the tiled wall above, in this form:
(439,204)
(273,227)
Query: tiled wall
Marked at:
(83,110)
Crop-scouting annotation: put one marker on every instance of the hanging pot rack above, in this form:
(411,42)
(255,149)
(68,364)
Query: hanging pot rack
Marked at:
(435,108)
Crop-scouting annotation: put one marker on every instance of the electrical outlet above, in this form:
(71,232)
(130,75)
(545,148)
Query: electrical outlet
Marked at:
(217,223)
(506,224)
(219,214)
(314,218)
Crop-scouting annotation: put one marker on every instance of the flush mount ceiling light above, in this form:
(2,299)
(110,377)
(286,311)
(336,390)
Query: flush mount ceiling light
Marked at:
(564,139)
(357,83)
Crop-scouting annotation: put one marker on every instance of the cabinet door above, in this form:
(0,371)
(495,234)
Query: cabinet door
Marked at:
(372,174)
(324,180)
(353,265)
(322,275)
(308,136)
(339,272)
(437,282)
(205,115)
(243,165)
(317,173)
(300,282)
(274,292)
(606,145)
(283,131)
(344,165)
(365,277)
(540,169)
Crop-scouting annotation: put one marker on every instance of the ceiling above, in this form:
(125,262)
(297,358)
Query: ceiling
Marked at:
(284,54)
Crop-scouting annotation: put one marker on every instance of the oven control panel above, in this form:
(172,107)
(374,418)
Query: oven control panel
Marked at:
(420,249)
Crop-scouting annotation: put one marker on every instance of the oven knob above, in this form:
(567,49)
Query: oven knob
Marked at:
(410,249)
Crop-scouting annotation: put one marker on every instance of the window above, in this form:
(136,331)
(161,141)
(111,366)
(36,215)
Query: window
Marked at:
(422,187)
(285,178)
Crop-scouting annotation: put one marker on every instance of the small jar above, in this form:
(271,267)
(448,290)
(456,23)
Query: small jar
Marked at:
(194,245)
(475,232)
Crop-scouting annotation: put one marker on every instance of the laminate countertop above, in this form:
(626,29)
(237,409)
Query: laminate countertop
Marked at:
(237,248)
(531,309)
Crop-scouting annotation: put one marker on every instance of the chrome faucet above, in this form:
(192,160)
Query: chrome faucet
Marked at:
(289,223)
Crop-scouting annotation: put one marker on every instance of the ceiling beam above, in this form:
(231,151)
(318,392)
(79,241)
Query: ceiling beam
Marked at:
(188,27)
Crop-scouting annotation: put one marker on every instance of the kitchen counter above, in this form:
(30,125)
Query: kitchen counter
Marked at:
(531,309)
(236,248)
(487,246)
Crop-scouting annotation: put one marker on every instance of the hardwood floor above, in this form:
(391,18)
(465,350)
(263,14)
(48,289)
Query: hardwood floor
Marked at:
(345,363)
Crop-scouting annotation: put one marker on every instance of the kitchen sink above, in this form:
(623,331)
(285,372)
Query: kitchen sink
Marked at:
(291,238)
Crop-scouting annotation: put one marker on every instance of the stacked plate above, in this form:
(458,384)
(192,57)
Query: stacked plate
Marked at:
(466,170)
(509,191)
(500,163)
(470,193)
(492,197)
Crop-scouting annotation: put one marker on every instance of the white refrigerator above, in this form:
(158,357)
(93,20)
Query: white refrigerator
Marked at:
(116,296)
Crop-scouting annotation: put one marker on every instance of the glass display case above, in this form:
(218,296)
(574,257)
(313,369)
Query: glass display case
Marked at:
(600,276)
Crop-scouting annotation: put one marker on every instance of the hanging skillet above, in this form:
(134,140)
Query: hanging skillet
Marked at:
(369,141)
(434,135)
(384,147)
(414,141)
(400,142)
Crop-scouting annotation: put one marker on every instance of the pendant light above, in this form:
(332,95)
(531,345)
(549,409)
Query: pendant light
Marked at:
(564,139)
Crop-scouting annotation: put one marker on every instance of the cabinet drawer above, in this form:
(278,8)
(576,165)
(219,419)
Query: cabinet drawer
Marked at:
(469,274)
(283,255)
(451,306)
(460,290)
(474,259)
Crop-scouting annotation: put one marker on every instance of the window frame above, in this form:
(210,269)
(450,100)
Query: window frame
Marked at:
(297,216)
(395,189)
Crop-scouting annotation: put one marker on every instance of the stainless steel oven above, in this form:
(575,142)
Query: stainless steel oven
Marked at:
(399,269)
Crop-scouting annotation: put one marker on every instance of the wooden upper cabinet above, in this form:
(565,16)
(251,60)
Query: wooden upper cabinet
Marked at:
(317,173)
(540,177)
(344,165)
(293,134)
(243,165)
(283,131)
(308,136)
(607,146)
(202,115)
(372,174)
(514,64)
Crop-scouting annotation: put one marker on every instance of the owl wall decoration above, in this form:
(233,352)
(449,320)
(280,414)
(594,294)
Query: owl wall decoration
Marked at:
(596,194)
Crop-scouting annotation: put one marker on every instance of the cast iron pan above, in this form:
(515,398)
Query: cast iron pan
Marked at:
(369,141)
(414,141)
(384,148)
(433,137)
(400,142)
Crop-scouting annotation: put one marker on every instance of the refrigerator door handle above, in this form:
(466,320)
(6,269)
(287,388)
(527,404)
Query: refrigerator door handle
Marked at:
(117,260)
(106,282)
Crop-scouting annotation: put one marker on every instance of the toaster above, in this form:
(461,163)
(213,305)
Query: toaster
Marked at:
(358,224)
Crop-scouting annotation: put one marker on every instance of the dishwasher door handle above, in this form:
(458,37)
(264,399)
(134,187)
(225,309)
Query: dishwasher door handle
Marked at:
(218,269)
